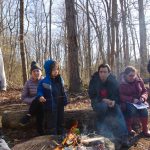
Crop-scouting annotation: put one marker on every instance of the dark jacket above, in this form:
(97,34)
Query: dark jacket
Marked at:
(96,87)
(52,90)
(148,66)
(130,91)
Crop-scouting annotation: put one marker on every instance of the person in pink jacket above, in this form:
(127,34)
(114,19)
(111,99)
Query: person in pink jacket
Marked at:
(132,91)
(28,96)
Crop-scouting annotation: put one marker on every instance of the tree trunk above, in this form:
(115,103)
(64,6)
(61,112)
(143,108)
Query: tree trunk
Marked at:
(22,50)
(50,20)
(132,37)
(107,8)
(143,48)
(125,34)
(113,33)
(73,64)
(88,39)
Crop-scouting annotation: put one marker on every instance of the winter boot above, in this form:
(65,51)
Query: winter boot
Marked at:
(144,122)
(129,126)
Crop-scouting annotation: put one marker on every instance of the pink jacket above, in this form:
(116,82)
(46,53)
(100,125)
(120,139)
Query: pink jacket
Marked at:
(30,90)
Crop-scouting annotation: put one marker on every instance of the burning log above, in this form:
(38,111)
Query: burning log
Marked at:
(72,139)
(51,142)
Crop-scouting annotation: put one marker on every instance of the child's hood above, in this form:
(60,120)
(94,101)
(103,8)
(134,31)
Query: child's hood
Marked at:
(47,67)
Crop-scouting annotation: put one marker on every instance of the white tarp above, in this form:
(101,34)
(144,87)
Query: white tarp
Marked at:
(2,73)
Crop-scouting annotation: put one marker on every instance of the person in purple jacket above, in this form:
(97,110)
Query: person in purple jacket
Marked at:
(132,91)
(29,97)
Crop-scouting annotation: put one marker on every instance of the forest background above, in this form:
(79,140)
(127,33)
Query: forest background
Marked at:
(79,34)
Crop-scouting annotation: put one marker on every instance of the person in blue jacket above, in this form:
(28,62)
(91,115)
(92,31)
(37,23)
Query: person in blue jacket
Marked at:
(51,93)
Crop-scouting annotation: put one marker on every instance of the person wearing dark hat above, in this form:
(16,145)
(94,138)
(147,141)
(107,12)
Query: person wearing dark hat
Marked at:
(51,94)
(30,87)
(29,97)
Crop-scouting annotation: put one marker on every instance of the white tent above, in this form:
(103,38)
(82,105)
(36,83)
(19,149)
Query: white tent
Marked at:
(2,73)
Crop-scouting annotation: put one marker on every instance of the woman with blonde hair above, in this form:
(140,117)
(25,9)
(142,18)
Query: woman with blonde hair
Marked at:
(133,94)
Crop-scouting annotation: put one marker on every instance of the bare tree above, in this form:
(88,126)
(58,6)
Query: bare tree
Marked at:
(114,22)
(74,78)
(22,50)
(107,9)
(50,24)
(124,30)
(143,48)
(88,38)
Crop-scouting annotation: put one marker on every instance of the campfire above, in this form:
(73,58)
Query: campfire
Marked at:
(72,138)
(75,141)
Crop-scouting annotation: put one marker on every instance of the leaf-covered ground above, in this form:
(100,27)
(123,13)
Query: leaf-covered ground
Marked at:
(77,101)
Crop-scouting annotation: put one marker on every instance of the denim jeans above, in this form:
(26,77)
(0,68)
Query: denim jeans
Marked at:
(132,111)
(110,119)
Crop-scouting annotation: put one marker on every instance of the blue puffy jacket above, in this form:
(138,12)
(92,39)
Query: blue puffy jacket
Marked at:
(45,89)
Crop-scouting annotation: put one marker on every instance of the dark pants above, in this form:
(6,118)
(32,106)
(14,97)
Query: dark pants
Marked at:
(54,121)
(132,111)
(112,119)
(36,109)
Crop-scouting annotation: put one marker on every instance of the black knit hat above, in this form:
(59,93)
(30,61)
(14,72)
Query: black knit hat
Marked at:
(35,65)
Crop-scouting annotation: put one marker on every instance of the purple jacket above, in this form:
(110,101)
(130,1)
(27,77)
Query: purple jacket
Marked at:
(30,90)
(130,91)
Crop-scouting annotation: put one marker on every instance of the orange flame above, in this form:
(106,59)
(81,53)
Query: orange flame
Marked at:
(72,138)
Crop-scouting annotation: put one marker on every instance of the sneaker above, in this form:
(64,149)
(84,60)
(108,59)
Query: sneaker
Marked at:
(132,133)
(25,120)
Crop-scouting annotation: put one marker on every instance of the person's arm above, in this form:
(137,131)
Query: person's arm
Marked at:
(40,92)
(25,94)
(148,66)
(40,89)
(144,93)
(2,83)
(114,91)
(93,93)
(123,96)
(64,93)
